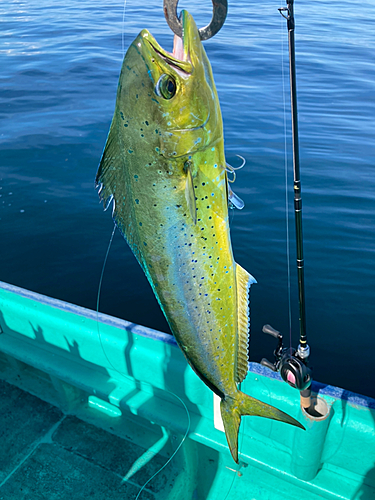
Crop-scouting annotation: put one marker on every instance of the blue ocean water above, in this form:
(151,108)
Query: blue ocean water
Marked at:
(60,63)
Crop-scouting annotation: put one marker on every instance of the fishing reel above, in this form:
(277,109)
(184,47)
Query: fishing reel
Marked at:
(291,364)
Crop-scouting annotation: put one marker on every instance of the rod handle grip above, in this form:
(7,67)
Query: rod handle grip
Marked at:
(270,331)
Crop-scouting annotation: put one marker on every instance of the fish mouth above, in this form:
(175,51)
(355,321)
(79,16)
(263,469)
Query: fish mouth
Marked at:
(179,59)
(185,64)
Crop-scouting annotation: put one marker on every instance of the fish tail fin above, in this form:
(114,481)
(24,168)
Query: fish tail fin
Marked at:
(233,408)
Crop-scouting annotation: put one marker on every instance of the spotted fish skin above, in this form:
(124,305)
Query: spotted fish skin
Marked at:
(164,168)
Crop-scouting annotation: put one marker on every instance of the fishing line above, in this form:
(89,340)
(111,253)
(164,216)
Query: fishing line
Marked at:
(123,30)
(98,296)
(231,485)
(229,169)
(101,277)
(176,450)
(98,302)
(286,186)
(122,375)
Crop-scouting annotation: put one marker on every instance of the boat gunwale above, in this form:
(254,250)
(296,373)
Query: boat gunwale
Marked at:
(318,387)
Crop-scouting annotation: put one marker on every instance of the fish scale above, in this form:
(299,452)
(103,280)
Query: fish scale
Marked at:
(164,168)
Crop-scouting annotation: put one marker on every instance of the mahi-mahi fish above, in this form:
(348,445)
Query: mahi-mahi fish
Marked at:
(164,168)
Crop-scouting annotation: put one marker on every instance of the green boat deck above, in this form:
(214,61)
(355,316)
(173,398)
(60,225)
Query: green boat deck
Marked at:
(46,454)
(100,416)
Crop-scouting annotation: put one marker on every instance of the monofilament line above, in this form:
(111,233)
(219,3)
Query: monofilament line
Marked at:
(103,268)
(176,450)
(109,361)
(99,290)
(123,30)
(286,184)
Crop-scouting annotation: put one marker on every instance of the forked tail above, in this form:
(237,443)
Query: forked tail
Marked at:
(233,408)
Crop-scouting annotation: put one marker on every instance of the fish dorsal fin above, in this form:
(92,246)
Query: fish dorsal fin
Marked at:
(244,281)
(190,192)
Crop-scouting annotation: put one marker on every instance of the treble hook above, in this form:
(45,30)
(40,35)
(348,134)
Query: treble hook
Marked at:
(220,8)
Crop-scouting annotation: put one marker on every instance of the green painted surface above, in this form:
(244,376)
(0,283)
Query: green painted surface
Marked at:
(70,355)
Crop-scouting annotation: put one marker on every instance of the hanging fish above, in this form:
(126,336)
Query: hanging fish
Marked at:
(164,168)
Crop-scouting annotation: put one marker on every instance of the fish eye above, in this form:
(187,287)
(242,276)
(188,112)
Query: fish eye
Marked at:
(166,86)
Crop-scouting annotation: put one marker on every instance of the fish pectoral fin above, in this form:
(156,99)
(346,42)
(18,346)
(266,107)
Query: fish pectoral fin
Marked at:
(244,281)
(112,183)
(232,409)
(190,193)
(110,170)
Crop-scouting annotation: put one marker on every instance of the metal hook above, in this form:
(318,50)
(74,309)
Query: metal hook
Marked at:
(230,170)
(220,8)
(242,164)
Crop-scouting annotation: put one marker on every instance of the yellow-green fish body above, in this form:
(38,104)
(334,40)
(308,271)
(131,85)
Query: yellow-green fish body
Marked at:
(164,167)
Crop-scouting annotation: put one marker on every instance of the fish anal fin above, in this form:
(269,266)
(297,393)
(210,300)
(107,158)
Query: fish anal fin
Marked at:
(244,281)
(198,372)
(190,192)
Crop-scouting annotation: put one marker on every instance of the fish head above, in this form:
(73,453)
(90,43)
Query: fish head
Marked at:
(174,93)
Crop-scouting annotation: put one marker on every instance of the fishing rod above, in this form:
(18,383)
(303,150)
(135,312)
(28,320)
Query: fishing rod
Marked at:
(293,364)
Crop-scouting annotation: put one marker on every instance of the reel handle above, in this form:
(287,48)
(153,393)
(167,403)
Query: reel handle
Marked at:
(268,364)
(271,331)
